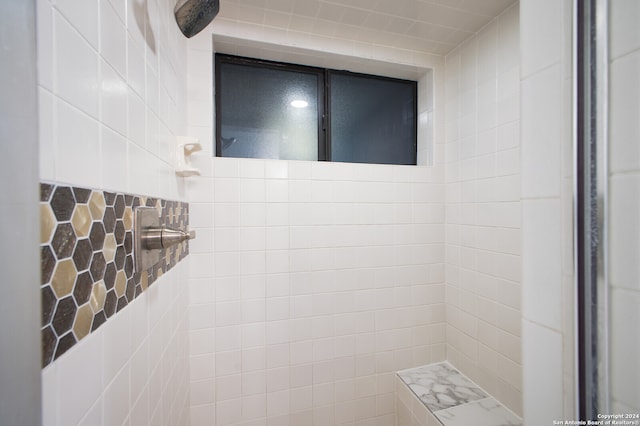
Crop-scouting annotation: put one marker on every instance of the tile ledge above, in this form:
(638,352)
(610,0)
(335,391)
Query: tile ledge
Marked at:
(453,399)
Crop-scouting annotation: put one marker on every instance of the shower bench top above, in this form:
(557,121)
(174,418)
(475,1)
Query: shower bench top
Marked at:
(454,399)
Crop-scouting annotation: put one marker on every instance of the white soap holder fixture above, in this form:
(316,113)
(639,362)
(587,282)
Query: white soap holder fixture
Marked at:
(186,147)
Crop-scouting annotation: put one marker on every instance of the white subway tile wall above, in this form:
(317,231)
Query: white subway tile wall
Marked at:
(112,79)
(112,95)
(483,209)
(547,224)
(624,207)
(323,278)
(326,278)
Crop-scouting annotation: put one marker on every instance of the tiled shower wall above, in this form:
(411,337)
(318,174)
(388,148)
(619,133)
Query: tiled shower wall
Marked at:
(547,194)
(111,89)
(326,278)
(483,208)
(624,205)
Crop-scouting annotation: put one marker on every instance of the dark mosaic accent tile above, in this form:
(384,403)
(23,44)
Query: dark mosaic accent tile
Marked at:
(128,242)
(82,289)
(120,257)
(46,189)
(131,290)
(136,278)
(128,266)
(98,320)
(82,195)
(49,341)
(122,302)
(119,232)
(64,344)
(109,219)
(48,300)
(62,203)
(98,265)
(64,315)
(110,275)
(109,197)
(86,260)
(63,241)
(47,264)
(96,236)
(119,206)
(82,254)
(110,303)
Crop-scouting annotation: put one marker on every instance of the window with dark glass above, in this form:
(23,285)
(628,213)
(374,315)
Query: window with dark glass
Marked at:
(281,111)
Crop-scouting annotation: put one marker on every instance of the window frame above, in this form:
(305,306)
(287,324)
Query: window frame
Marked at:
(414,125)
(323,99)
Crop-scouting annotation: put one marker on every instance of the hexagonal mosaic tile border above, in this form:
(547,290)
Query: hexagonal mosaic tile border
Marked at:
(86,252)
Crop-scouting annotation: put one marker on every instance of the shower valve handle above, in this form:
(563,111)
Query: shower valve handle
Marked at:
(163,237)
(150,237)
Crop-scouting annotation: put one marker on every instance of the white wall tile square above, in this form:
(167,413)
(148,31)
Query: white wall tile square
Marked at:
(624,125)
(117,398)
(76,68)
(541,144)
(542,370)
(46,125)
(113,38)
(624,386)
(77,139)
(45,44)
(623,34)
(113,100)
(83,17)
(541,49)
(72,372)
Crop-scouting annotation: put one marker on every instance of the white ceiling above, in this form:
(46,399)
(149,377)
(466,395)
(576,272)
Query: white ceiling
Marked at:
(430,26)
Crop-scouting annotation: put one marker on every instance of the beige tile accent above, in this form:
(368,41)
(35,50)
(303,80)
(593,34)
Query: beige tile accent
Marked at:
(82,322)
(121,283)
(47,223)
(98,295)
(97,205)
(109,248)
(144,280)
(81,220)
(128,218)
(64,277)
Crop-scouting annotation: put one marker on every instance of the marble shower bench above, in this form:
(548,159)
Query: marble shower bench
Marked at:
(439,395)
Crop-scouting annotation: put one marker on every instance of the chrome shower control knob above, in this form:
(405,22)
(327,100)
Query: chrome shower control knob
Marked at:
(163,237)
(150,237)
